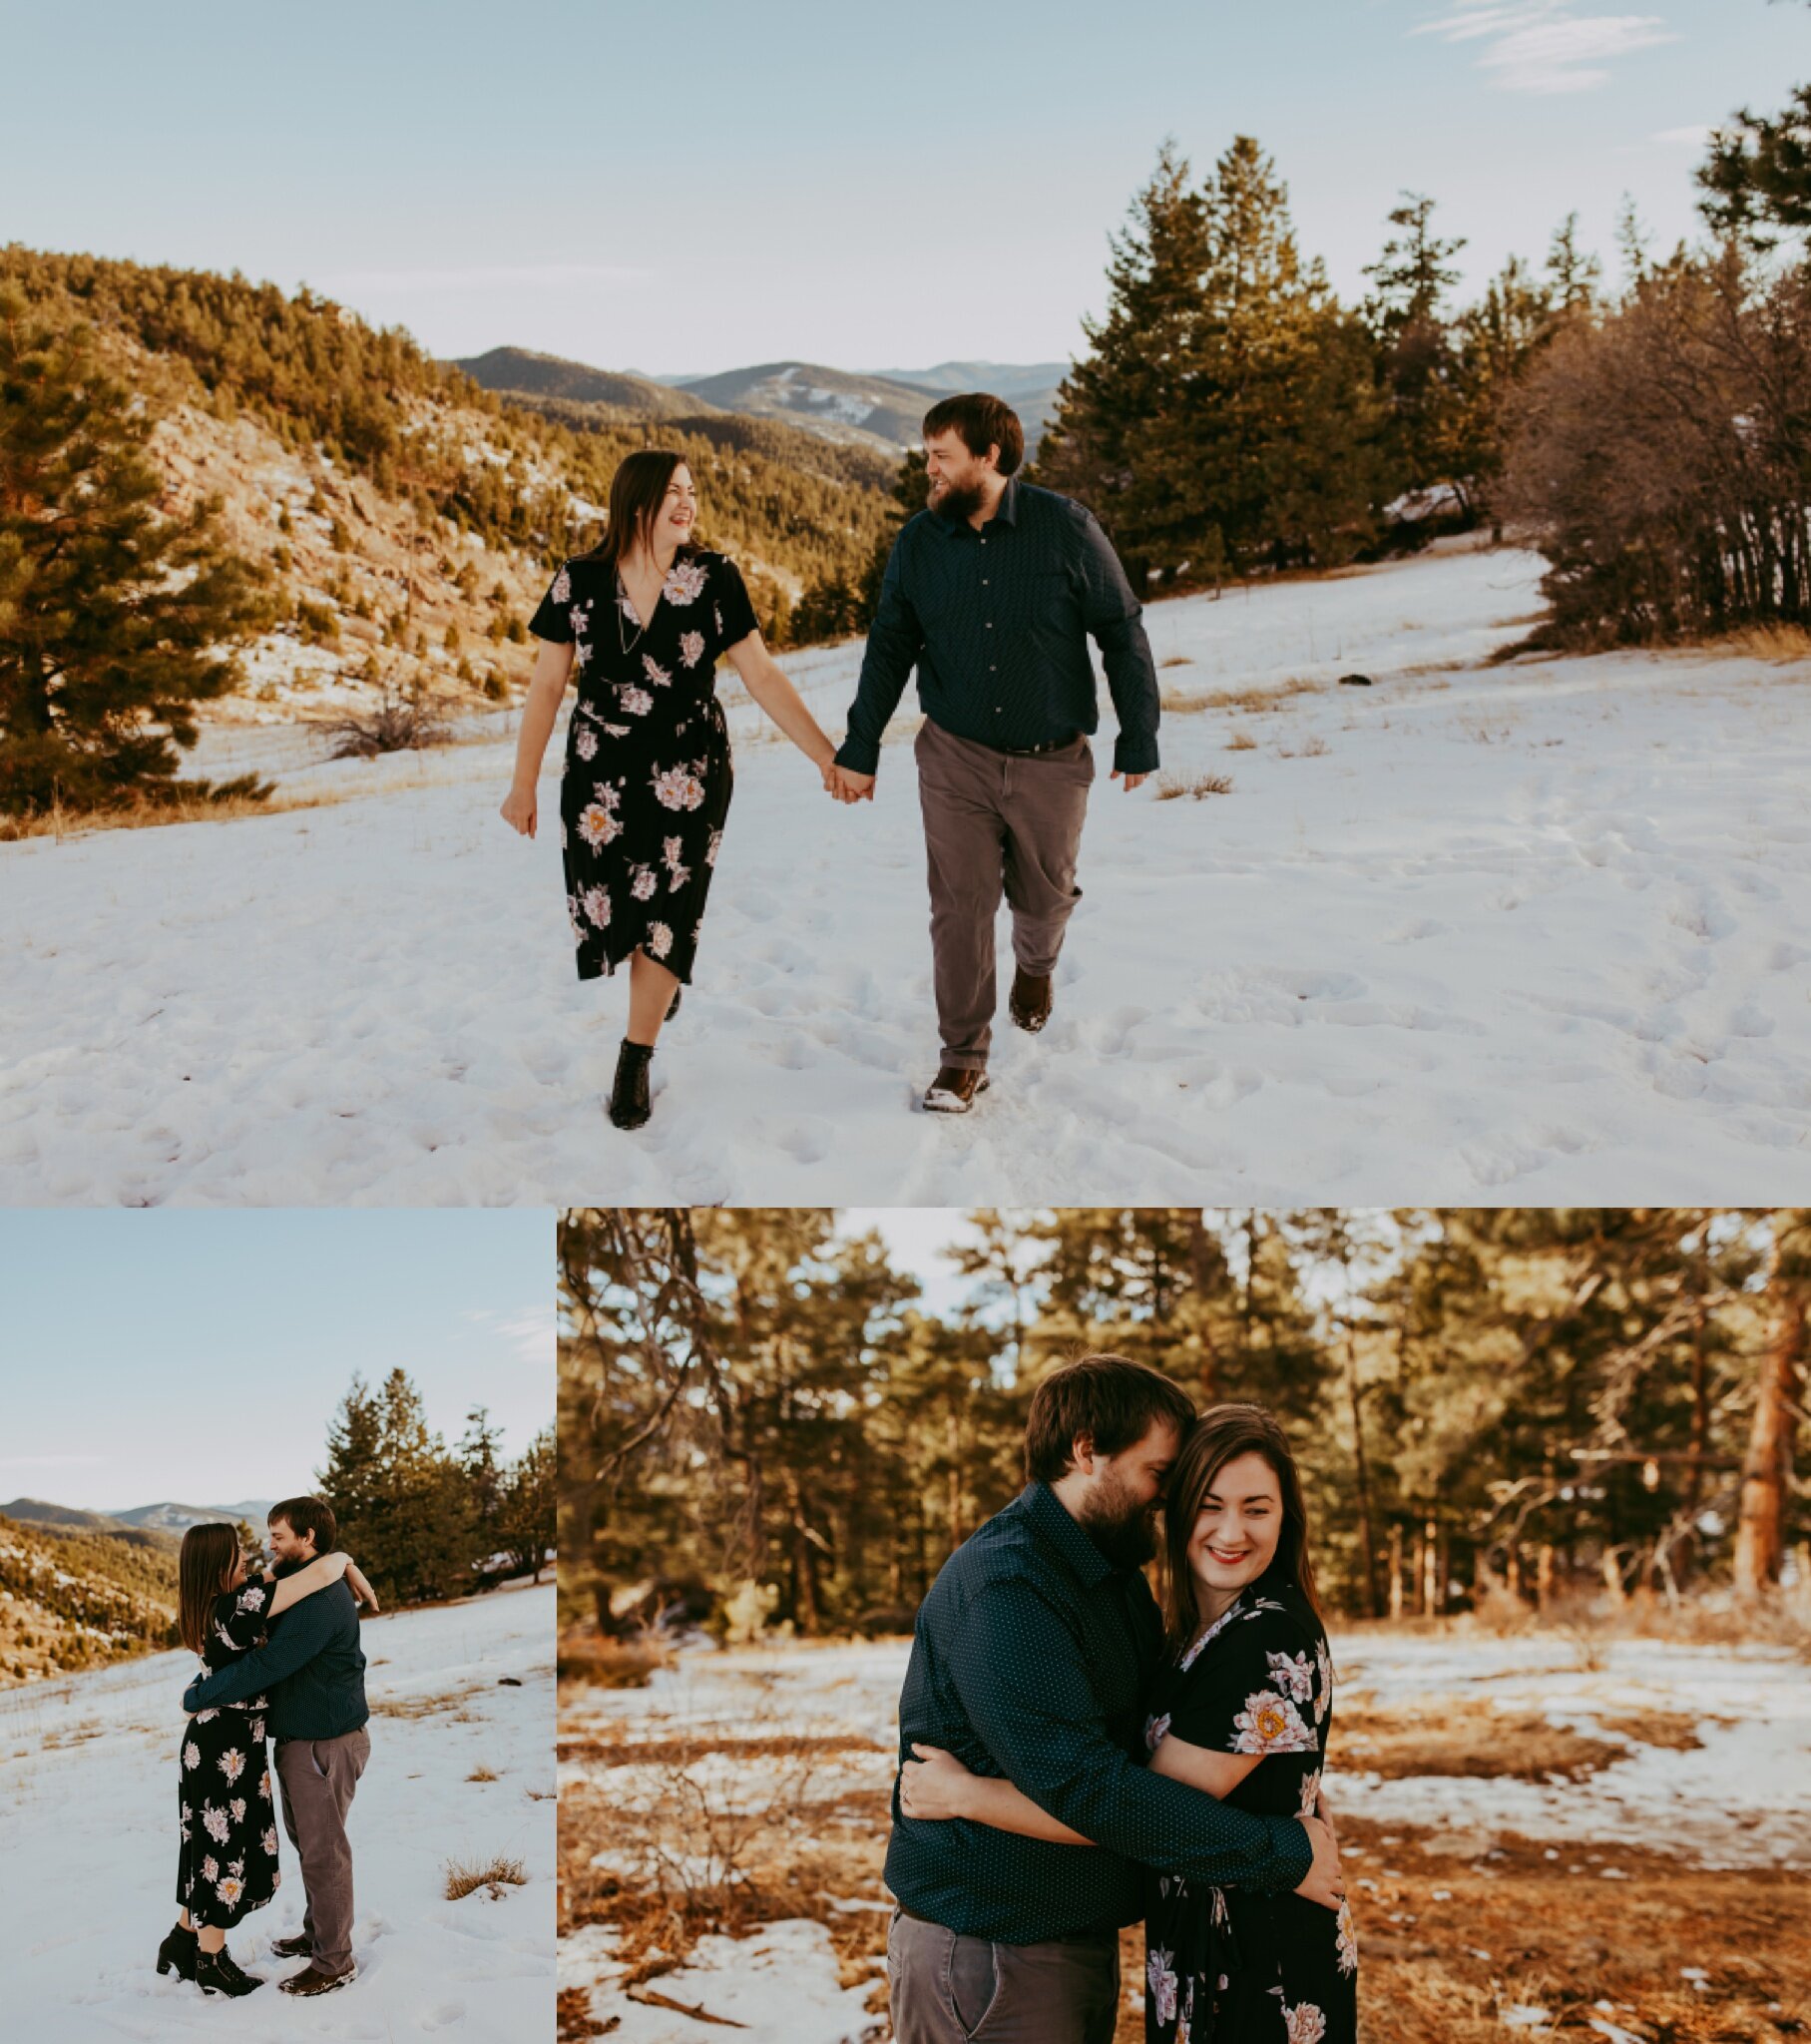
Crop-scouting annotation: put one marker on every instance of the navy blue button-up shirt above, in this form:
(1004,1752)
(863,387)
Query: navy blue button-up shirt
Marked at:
(1033,1658)
(997,623)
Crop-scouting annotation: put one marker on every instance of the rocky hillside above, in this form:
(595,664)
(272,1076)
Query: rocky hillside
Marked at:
(409,518)
(76,1597)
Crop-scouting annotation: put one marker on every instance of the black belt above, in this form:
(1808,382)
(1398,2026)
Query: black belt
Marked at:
(1033,751)
(1100,1936)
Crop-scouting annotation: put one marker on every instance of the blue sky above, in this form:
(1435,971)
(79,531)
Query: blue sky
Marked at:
(687,188)
(199,1355)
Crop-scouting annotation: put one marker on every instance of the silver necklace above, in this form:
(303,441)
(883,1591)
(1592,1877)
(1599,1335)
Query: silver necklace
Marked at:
(628,645)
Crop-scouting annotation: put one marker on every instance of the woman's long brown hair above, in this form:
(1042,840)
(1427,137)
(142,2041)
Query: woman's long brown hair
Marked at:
(637,492)
(1222,1433)
(203,1569)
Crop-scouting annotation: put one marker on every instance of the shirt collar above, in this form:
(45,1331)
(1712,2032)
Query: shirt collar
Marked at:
(1006,512)
(1050,1517)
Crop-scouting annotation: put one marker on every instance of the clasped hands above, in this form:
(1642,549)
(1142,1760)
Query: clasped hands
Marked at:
(844,784)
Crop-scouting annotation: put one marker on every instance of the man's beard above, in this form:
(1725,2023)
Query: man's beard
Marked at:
(1125,1532)
(957,502)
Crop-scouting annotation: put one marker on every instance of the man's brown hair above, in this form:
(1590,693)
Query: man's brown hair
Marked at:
(1109,1398)
(306,1515)
(980,423)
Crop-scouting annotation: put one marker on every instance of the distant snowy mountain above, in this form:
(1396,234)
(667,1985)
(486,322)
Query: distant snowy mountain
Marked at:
(832,402)
(166,1517)
(1011,380)
(176,1518)
(523,371)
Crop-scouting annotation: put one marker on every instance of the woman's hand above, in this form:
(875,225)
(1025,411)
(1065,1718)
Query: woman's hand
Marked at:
(519,810)
(934,1784)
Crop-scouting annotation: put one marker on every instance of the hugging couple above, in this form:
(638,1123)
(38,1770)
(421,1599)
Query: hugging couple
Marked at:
(1074,1757)
(991,594)
(280,1659)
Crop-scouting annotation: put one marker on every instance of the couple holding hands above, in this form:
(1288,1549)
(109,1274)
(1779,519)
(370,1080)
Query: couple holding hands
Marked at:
(991,593)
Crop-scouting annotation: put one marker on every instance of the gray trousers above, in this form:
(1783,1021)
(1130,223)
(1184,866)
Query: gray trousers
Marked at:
(946,1989)
(317,1778)
(994,825)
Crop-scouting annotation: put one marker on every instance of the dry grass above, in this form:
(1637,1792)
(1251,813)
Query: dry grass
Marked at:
(1256,701)
(466,1876)
(586,1656)
(482,1773)
(1776,643)
(448,1704)
(1314,748)
(1454,1927)
(1241,741)
(1171,786)
(1465,1737)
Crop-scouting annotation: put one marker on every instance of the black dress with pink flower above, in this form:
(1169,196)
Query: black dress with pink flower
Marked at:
(1233,1965)
(228,1862)
(647,775)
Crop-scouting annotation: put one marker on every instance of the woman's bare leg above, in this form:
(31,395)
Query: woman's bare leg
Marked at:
(183,1920)
(210,1937)
(650,991)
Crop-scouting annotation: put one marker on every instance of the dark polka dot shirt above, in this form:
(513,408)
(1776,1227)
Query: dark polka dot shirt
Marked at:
(997,623)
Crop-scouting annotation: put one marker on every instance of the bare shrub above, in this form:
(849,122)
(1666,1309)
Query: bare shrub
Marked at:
(466,1876)
(1241,741)
(1201,785)
(404,720)
(1658,456)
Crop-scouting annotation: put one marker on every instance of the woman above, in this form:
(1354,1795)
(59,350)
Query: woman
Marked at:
(640,620)
(226,1864)
(1243,1711)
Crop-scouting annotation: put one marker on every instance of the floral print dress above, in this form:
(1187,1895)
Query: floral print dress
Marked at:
(228,1862)
(647,775)
(1233,1965)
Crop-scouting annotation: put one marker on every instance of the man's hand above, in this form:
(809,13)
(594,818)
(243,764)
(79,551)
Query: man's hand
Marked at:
(1326,1884)
(931,1786)
(1131,780)
(852,786)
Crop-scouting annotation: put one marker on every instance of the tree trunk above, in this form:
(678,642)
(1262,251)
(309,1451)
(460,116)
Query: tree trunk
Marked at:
(1396,1572)
(1543,1575)
(1366,1550)
(1760,1539)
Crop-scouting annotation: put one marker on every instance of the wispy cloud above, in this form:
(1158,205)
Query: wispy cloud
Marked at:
(521,277)
(530,1332)
(1546,45)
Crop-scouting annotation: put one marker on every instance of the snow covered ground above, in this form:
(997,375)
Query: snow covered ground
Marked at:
(1742,1798)
(1538,933)
(86,1812)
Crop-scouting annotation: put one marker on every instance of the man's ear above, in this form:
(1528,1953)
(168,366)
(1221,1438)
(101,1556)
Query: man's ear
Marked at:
(1081,1453)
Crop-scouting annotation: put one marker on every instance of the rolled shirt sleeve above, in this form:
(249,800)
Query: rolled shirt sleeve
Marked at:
(296,1641)
(1033,1709)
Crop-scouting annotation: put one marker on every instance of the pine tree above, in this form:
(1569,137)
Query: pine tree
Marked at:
(113,616)
(528,1506)
(1756,179)
(1120,406)
(1407,313)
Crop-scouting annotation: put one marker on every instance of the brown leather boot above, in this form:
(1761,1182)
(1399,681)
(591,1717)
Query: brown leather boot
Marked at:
(300,1947)
(313,1981)
(1030,999)
(952,1090)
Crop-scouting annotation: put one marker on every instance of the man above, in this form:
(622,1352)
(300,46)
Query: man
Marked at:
(991,593)
(313,1672)
(1032,1658)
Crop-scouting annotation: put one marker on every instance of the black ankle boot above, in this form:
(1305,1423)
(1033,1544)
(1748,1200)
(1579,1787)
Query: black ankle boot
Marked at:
(177,1953)
(628,1103)
(218,1974)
